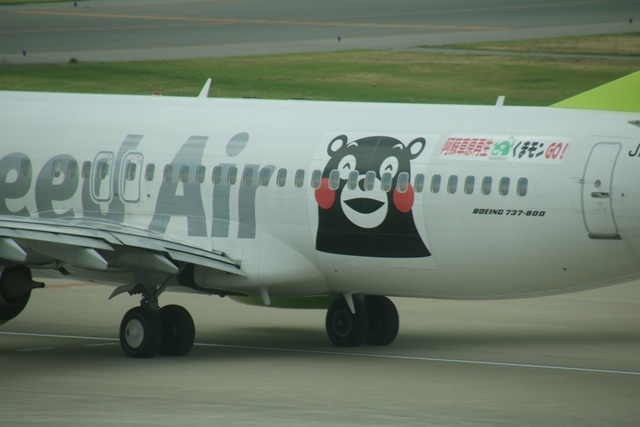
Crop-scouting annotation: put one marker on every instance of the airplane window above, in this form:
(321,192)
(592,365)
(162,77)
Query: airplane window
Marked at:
(184,173)
(469,183)
(403,182)
(265,176)
(233,175)
(334,179)
(452,185)
(369,180)
(352,180)
(131,171)
(299,181)
(504,186)
(72,169)
(386,181)
(86,170)
(216,176)
(247,177)
(103,170)
(435,183)
(200,173)
(315,179)
(418,183)
(57,168)
(281,179)
(168,173)
(523,183)
(25,167)
(486,185)
(150,172)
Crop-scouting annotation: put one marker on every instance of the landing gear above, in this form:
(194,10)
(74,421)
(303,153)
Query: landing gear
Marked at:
(179,331)
(374,322)
(346,329)
(148,330)
(141,332)
(383,320)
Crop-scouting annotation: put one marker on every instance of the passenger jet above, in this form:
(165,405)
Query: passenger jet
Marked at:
(333,205)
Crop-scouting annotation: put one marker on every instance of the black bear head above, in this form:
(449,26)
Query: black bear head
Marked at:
(365,199)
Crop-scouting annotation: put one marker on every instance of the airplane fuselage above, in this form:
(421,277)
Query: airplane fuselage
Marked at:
(315,198)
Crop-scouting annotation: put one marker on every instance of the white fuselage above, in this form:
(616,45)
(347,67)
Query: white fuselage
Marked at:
(568,218)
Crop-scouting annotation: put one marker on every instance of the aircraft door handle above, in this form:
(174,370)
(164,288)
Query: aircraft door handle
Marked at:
(600,195)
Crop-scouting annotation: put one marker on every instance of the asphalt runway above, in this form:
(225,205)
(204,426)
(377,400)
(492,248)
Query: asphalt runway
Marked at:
(124,30)
(567,360)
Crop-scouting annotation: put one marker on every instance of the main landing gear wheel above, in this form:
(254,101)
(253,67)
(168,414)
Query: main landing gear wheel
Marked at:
(179,331)
(141,332)
(383,320)
(344,328)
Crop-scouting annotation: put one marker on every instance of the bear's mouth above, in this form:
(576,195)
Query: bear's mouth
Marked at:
(364,205)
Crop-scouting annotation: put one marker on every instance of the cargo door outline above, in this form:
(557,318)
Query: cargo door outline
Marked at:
(597,184)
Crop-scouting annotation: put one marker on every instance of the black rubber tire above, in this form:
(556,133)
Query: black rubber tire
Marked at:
(384,321)
(179,331)
(344,328)
(141,333)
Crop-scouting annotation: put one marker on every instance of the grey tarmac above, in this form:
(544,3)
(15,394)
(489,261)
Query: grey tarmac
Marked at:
(134,30)
(569,360)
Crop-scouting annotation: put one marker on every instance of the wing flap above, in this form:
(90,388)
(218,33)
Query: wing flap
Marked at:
(205,262)
(96,245)
(54,237)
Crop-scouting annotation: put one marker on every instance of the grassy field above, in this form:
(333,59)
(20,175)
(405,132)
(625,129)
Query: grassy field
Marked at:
(348,76)
(627,44)
(372,76)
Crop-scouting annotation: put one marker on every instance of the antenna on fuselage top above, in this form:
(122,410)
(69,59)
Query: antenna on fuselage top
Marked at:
(204,93)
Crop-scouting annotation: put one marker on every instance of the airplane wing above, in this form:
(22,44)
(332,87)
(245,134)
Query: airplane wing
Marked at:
(100,245)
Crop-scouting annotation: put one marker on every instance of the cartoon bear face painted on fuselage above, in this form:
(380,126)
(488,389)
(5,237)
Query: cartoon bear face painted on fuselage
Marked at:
(362,216)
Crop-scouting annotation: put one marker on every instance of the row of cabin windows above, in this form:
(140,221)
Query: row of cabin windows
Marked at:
(264,178)
(486,185)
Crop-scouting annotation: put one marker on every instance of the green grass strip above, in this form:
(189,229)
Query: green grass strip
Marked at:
(369,76)
(627,44)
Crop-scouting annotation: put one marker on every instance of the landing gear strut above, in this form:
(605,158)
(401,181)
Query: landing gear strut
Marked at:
(374,322)
(148,330)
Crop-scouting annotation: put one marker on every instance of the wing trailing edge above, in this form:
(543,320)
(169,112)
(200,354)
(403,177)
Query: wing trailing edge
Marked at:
(97,245)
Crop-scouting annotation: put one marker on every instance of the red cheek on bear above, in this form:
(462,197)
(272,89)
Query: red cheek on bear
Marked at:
(403,201)
(324,195)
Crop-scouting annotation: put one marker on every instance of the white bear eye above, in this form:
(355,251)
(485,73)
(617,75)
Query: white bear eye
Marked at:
(346,165)
(390,166)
